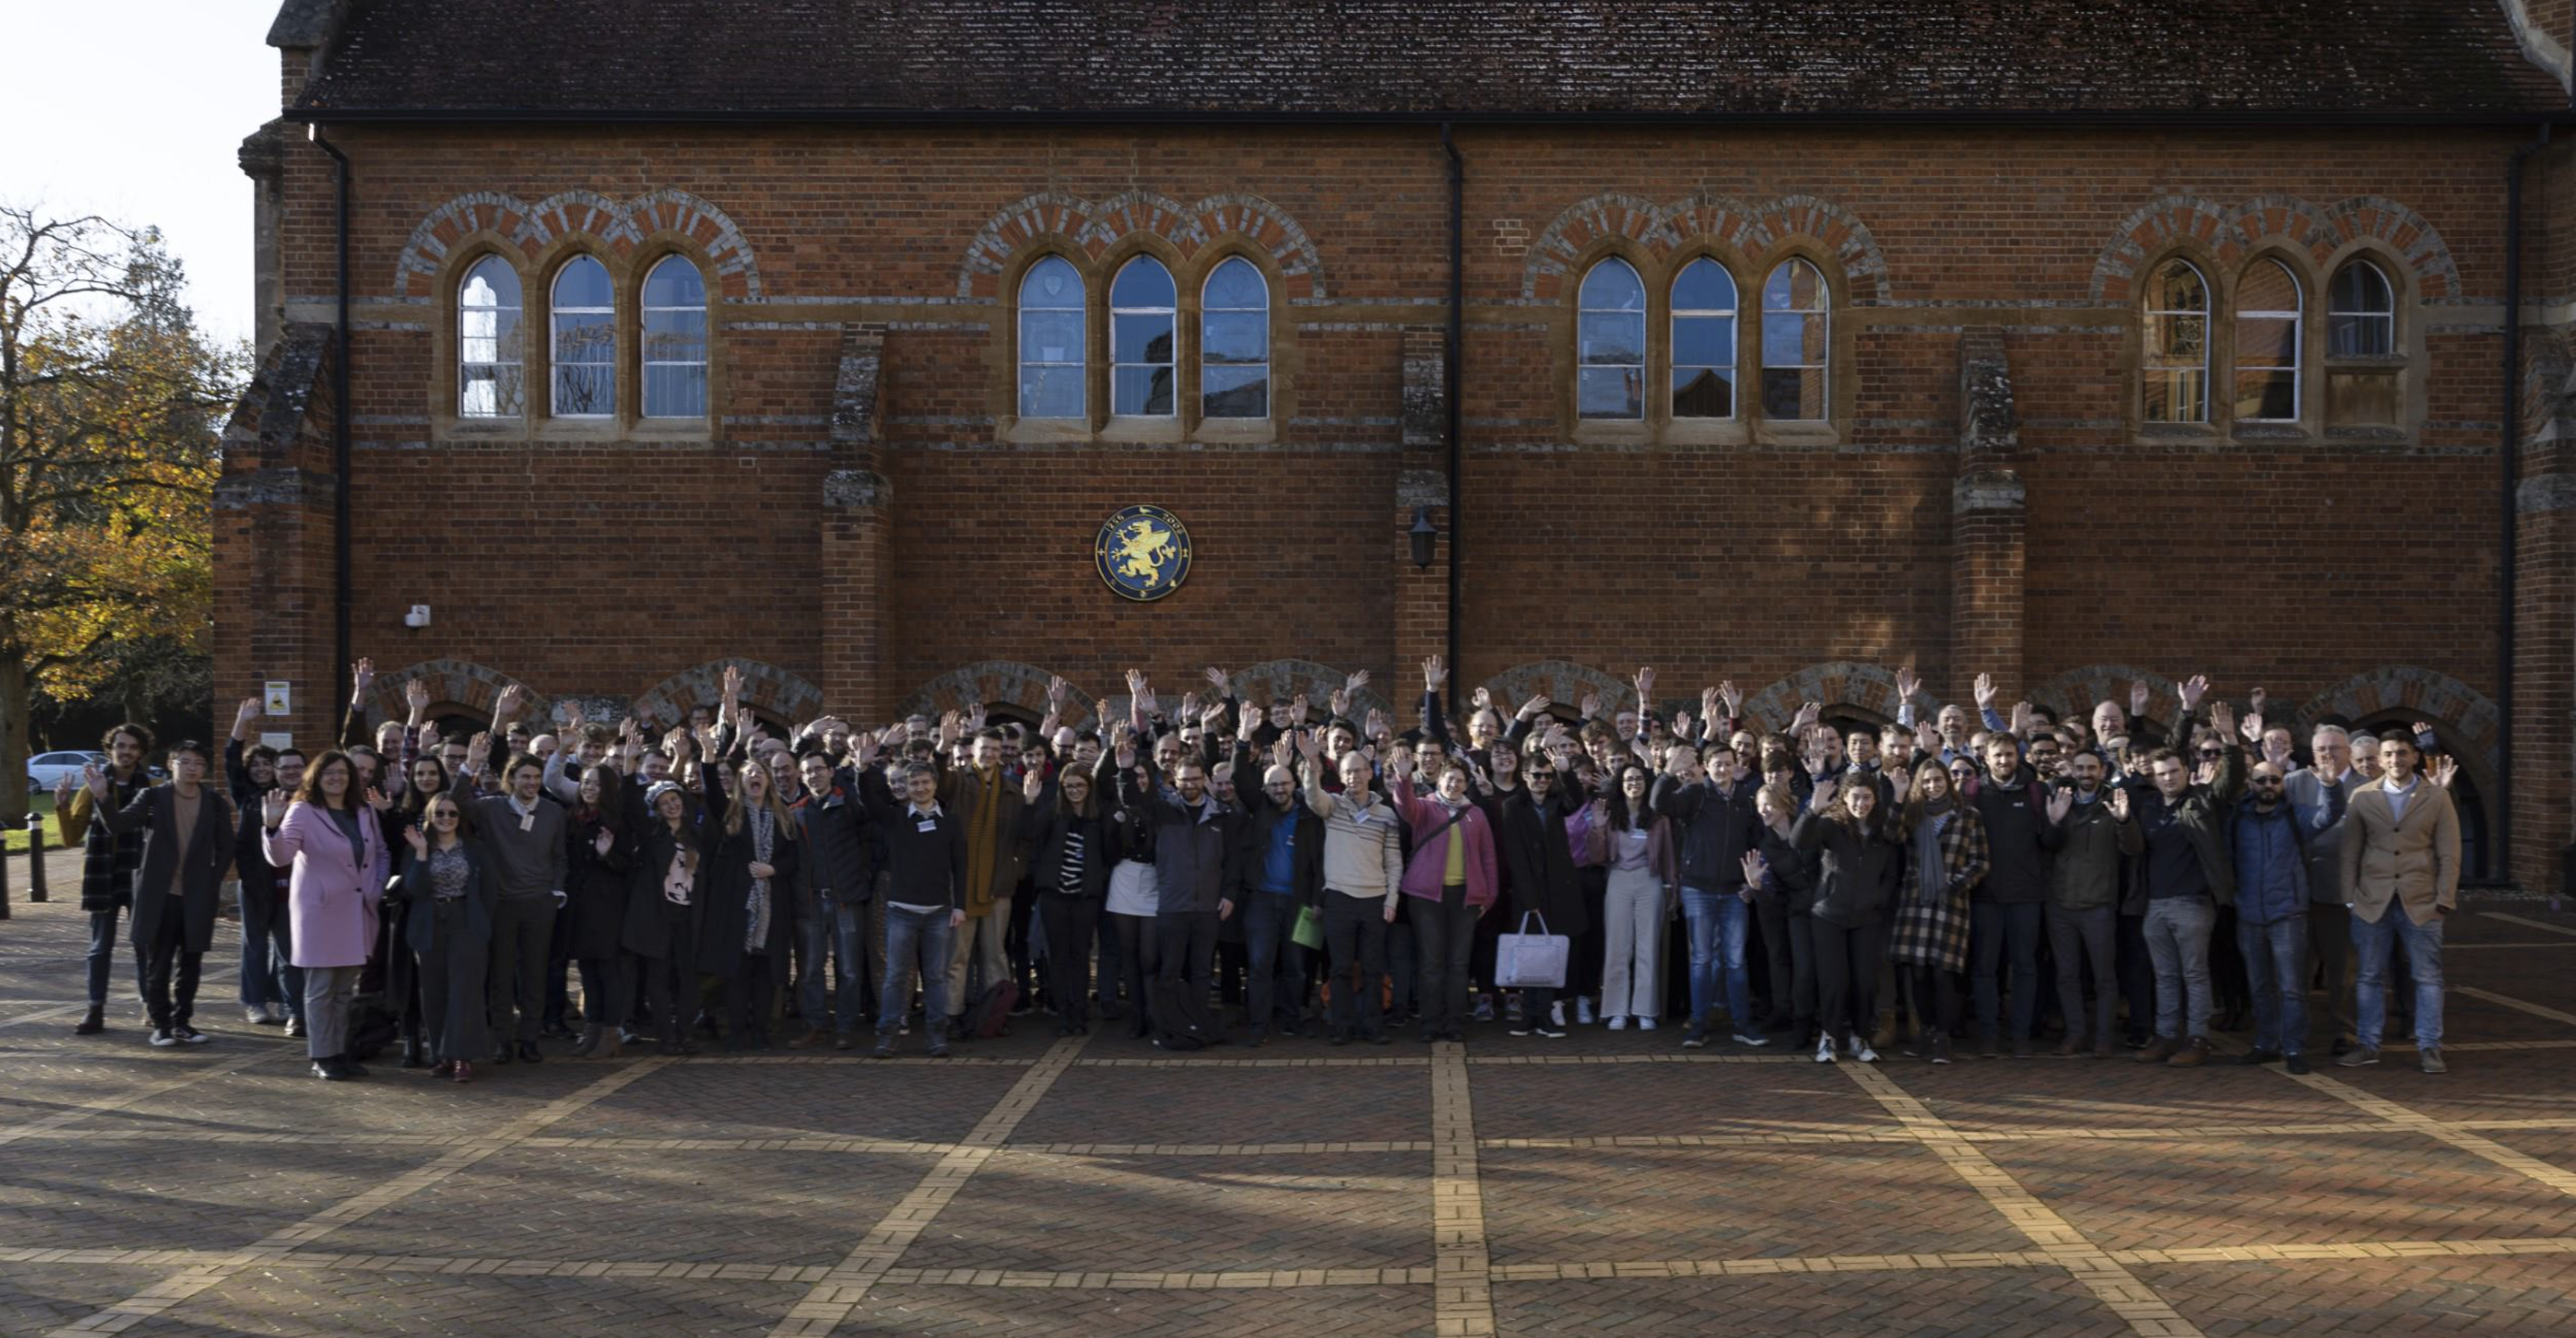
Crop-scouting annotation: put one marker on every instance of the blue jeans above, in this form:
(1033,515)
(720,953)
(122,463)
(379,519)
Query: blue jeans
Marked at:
(1716,921)
(1274,990)
(1995,928)
(2177,930)
(840,929)
(2276,974)
(915,941)
(268,971)
(2372,943)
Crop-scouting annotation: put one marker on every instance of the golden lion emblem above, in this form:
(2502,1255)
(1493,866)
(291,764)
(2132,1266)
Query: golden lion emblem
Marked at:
(1142,548)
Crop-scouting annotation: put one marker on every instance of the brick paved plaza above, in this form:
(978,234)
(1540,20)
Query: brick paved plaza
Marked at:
(1608,1184)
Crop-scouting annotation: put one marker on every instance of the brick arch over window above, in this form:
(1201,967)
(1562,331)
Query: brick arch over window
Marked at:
(1835,683)
(995,683)
(1749,228)
(1564,682)
(2232,234)
(766,688)
(452,683)
(619,228)
(1095,228)
(2464,718)
(1270,680)
(2073,693)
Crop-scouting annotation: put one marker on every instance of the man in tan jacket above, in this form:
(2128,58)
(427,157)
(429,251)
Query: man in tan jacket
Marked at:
(2401,875)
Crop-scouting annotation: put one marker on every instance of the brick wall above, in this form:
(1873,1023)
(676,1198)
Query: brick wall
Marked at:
(603,561)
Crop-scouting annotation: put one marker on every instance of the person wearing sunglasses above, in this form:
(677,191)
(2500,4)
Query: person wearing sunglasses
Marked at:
(2272,915)
(1540,831)
(2183,877)
(448,891)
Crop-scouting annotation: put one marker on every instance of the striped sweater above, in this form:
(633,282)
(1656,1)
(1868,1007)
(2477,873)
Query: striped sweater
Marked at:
(1363,846)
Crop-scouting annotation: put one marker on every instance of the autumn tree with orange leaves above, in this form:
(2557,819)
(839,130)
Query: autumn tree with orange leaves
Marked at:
(111,417)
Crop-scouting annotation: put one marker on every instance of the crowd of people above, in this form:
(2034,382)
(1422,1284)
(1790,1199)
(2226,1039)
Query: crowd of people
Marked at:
(1312,866)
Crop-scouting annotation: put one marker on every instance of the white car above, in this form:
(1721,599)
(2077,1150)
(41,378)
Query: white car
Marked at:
(45,770)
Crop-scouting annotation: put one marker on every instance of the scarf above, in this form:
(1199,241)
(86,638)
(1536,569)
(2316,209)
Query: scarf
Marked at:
(764,833)
(1930,870)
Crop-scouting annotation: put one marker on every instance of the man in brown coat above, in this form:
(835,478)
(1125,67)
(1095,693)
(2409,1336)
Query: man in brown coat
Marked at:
(2401,875)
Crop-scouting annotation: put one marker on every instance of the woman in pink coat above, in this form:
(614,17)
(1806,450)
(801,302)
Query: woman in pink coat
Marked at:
(1453,872)
(337,849)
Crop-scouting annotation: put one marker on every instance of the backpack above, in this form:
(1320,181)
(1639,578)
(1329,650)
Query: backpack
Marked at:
(991,1015)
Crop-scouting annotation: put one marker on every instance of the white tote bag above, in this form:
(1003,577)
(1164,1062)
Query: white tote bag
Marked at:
(1531,961)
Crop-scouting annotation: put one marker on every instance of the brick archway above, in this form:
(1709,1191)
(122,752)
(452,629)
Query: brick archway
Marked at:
(620,227)
(1750,227)
(1562,681)
(2073,693)
(2464,718)
(2231,233)
(1096,227)
(996,683)
(1847,683)
(453,685)
(1286,678)
(765,688)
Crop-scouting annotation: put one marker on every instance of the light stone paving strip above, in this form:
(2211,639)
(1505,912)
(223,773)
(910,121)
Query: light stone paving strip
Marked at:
(170,1292)
(2527,924)
(2455,1135)
(2534,1009)
(1462,1303)
(838,1292)
(2146,1312)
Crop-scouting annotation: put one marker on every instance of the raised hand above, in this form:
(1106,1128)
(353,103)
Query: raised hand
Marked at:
(2020,718)
(1433,673)
(1212,718)
(1826,786)
(418,840)
(1907,684)
(1308,745)
(2060,803)
(1645,682)
(1253,719)
(1681,724)
(376,800)
(1708,705)
(1034,788)
(1190,705)
(2444,770)
(1590,706)
(1808,714)
(96,780)
(272,808)
(1298,706)
(1356,681)
(1283,750)
(2193,689)
(1377,724)
(507,707)
(1899,783)
(416,697)
(2423,729)
(1927,736)
(1755,867)
(2137,696)
(2222,717)
(1057,691)
(2252,729)
(2120,802)
(572,715)
(1535,707)
(363,676)
(1219,679)
(1340,701)
(1734,699)
(1985,691)
(250,709)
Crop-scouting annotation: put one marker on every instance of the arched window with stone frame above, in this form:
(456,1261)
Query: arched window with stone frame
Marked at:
(491,374)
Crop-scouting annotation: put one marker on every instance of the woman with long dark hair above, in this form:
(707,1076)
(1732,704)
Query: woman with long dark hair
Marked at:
(1944,857)
(600,852)
(748,875)
(1636,845)
(448,894)
(662,910)
(1860,854)
(331,836)
(1077,845)
(426,779)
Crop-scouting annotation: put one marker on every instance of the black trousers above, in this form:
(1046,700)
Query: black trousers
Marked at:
(1447,934)
(1070,923)
(670,980)
(522,931)
(1137,958)
(1355,939)
(165,956)
(748,996)
(1779,960)
(1186,941)
(1847,959)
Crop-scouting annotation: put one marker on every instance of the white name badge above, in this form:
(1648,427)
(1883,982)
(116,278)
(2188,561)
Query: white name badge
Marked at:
(527,822)
(926,825)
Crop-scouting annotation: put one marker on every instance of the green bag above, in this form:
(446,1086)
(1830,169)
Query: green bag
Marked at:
(1308,932)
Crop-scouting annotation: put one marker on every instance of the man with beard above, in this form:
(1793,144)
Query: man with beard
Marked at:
(2272,916)
(2096,834)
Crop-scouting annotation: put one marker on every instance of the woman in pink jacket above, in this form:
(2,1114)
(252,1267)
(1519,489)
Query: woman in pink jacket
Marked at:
(336,846)
(1453,870)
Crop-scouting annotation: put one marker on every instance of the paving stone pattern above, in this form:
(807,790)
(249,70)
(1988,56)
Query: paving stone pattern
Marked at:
(1607,1184)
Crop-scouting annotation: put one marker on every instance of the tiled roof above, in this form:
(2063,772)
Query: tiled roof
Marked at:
(1356,58)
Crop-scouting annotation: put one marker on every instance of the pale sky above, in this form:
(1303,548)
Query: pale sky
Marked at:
(133,109)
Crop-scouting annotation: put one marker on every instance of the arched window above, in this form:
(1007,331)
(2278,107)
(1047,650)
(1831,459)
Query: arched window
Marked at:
(1234,342)
(1610,353)
(585,341)
(1795,342)
(491,381)
(675,340)
(1143,309)
(2268,310)
(2176,370)
(2361,313)
(1704,341)
(1051,341)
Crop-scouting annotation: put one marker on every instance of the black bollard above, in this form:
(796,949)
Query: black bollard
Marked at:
(36,857)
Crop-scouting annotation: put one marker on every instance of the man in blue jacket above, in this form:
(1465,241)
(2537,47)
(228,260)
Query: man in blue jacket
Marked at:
(2272,915)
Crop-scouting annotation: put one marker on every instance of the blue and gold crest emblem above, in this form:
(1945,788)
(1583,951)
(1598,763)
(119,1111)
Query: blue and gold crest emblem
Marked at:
(1143,552)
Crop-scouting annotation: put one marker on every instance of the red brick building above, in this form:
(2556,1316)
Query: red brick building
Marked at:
(2062,341)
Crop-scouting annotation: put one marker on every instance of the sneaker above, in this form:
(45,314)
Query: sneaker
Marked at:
(189,1035)
(162,1037)
(2296,1063)
(2358,1056)
(1520,1028)
(1484,1008)
(1512,1008)
(2191,1054)
(1695,1037)
(1551,1031)
(884,1048)
(1583,1009)
(257,1017)
(2158,1050)
(1751,1039)
(2430,1060)
(294,1027)
(1859,1049)
(1556,1013)
(1941,1049)
(1824,1049)
(939,1047)
(1618,1022)
(1645,1024)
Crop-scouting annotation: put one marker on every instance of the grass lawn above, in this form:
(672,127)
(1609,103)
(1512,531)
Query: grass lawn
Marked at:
(15,840)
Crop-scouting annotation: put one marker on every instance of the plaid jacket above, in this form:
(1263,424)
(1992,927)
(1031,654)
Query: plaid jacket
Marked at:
(1931,926)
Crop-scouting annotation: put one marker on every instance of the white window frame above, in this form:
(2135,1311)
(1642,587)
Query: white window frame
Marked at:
(1823,314)
(2386,316)
(1733,367)
(556,362)
(2296,315)
(488,314)
(1078,305)
(644,338)
(2150,339)
(1269,386)
(1582,363)
(1170,315)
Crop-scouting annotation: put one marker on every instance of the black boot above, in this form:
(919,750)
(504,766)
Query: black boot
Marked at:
(412,1057)
(92,1022)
